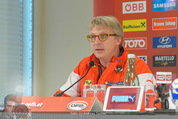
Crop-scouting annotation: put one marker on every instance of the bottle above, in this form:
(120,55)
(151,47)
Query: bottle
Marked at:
(131,78)
(150,95)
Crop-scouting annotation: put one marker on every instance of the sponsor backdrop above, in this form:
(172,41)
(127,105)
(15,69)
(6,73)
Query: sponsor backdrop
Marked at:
(150,30)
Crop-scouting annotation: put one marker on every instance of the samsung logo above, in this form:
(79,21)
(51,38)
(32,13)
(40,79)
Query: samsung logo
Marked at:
(164,5)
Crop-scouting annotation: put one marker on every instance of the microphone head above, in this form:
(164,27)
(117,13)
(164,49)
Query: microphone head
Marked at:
(59,94)
(91,64)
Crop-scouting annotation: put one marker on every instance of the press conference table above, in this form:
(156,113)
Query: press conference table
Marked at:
(101,115)
(63,108)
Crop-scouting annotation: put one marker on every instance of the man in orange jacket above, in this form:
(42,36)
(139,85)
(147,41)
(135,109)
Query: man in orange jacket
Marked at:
(109,56)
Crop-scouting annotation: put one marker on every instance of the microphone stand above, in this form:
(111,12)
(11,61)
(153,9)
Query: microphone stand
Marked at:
(163,98)
(62,92)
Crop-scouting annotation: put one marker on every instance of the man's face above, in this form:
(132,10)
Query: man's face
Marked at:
(104,50)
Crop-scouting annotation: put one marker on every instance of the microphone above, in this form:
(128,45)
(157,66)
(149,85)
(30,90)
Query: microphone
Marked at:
(61,93)
(162,97)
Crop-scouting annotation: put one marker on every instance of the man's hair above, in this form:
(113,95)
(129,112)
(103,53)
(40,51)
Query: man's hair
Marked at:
(108,21)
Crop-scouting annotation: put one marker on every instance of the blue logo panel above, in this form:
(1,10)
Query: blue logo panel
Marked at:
(144,58)
(165,42)
(164,5)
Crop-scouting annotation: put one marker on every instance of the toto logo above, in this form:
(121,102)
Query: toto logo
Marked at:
(164,40)
(135,43)
(77,105)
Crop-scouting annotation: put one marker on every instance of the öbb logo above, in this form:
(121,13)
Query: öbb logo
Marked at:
(134,7)
(77,105)
(135,43)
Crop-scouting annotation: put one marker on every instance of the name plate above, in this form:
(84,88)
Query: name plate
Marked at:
(54,104)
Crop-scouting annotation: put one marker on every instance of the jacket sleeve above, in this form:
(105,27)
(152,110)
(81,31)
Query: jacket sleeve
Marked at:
(145,76)
(74,91)
(144,73)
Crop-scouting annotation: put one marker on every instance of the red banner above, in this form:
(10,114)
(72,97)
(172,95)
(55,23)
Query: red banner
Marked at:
(150,30)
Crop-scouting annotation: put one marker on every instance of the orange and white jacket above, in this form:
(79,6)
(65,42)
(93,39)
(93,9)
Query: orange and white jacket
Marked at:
(110,76)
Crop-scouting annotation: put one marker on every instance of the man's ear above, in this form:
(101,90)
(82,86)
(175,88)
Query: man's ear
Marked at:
(118,40)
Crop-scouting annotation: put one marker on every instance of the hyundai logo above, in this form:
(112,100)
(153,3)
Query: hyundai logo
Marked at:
(164,40)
